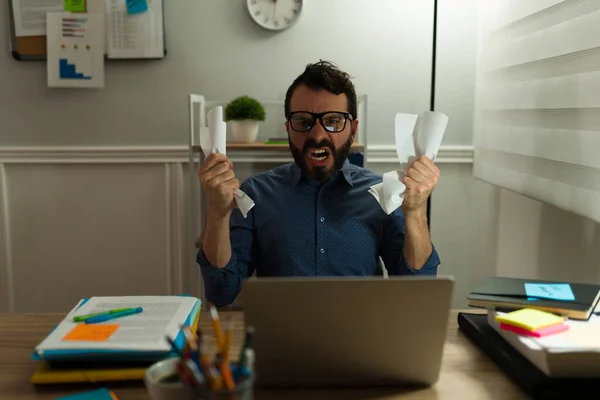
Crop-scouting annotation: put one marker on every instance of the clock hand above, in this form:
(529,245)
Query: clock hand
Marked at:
(274,8)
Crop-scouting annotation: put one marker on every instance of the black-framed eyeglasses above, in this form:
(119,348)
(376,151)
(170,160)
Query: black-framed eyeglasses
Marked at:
(332,121)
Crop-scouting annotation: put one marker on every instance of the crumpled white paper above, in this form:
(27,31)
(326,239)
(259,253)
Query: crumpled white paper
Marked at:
(213,139)
(416,135)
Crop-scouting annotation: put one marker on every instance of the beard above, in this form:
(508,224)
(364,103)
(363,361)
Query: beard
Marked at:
(321,174)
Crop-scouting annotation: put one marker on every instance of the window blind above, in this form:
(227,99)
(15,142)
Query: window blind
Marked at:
(537,106)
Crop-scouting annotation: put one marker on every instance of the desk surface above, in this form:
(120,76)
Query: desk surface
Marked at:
(466,372)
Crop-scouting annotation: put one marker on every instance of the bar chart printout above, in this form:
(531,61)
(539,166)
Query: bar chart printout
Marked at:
(75,50)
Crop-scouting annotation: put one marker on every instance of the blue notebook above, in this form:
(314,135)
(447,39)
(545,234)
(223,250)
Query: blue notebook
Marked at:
(121,355)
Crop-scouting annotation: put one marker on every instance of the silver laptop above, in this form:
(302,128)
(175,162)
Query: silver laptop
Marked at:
(348,331)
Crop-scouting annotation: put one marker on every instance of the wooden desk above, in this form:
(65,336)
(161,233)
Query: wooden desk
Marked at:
(466,372)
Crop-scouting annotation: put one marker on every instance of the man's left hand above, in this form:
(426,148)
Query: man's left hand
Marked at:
(420,179)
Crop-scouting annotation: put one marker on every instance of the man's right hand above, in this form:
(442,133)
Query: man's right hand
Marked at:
(219,183)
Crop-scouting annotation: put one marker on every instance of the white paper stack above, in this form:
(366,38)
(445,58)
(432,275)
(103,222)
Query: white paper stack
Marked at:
(213,139)
(415,136)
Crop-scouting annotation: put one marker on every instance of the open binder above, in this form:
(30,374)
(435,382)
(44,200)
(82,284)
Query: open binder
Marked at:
(97,365)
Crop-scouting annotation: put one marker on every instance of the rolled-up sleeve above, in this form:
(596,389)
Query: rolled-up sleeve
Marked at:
(223,285)
(392,249)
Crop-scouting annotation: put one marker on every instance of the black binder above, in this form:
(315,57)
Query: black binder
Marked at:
(526,375)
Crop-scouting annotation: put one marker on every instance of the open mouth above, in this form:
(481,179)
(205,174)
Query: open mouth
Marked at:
(319,154)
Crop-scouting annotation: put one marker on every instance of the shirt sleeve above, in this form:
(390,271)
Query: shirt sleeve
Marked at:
(392,249)
(223,285)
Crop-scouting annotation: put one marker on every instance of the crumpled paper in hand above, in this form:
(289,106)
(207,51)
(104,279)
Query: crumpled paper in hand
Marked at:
(213,139)
(416,135)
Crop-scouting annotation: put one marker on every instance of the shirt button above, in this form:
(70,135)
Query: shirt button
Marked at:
(322,219)
(322,251)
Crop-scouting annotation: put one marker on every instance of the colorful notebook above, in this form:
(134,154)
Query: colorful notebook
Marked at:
(99,394)
(45,375)
(68,368)
(125,355)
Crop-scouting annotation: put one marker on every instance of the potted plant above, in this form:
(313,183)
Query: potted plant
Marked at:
(244,113)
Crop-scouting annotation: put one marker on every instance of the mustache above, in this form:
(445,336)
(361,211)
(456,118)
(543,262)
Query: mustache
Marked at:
(313,144)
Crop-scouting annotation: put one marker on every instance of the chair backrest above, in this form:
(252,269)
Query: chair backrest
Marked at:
(357,159)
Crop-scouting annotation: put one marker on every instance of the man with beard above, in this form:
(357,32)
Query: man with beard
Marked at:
(313,217)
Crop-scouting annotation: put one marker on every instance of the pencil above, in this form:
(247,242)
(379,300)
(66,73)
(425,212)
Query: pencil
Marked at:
(217,327)
(225,367)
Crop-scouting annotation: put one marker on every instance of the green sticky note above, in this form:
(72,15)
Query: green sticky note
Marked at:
(75,5)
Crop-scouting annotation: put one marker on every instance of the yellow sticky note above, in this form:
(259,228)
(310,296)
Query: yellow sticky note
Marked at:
(75,6)
(530,319)
(92,332)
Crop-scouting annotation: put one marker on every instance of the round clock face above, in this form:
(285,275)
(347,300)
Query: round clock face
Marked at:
(275,15)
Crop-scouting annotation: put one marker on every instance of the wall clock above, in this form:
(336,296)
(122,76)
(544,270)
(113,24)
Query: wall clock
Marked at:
(275,15)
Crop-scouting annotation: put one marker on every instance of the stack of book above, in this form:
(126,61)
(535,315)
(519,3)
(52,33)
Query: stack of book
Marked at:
(114,338)
(572,300)
(545,335)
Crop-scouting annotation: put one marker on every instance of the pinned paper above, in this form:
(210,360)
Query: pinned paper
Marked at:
(213,139)
(552,291)
(75,6)
(137,6)
(416,135)
(91,332)
(530,319)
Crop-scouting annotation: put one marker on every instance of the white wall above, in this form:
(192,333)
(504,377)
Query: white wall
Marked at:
(114,218)
(215,49)
(137,196)
(480,229)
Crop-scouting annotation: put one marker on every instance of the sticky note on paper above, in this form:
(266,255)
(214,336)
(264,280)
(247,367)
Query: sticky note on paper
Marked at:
(553,291)
(137,6)
(91,332)
(530,319)
(99,394)
(75,6)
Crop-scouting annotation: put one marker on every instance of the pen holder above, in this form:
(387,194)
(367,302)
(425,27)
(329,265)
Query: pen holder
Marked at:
(163,382)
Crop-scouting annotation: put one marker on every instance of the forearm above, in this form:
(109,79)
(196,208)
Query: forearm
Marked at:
(216,243)
(417,242)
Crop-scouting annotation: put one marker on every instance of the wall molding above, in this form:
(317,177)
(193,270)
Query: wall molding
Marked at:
(6,283)
(448,154)
(377,154)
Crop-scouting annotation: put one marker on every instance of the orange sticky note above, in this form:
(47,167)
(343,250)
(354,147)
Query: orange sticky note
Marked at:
(92,332)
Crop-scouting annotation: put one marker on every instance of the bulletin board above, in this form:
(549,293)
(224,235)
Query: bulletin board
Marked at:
(31,48)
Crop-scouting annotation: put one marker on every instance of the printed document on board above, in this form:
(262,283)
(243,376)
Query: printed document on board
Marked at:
(75,44)
(30,15)
(161,315)
(137,35)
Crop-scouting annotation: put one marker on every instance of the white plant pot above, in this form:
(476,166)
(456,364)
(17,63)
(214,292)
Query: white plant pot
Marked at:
(244,131)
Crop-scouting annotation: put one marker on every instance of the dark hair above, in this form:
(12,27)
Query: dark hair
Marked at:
(325,75)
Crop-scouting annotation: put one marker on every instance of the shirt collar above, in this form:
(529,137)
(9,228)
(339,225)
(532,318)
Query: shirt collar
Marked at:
(345,171)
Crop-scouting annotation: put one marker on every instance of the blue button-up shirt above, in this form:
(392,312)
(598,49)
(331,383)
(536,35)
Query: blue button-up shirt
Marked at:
(299,227)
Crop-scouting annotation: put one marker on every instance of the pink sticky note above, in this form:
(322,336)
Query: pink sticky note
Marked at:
(548,330)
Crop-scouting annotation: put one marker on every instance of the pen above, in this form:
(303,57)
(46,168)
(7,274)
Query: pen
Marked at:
(217,327)
(195,372)
(80,318)
(206,368)
(247,339)
(174,346)
(107,317)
